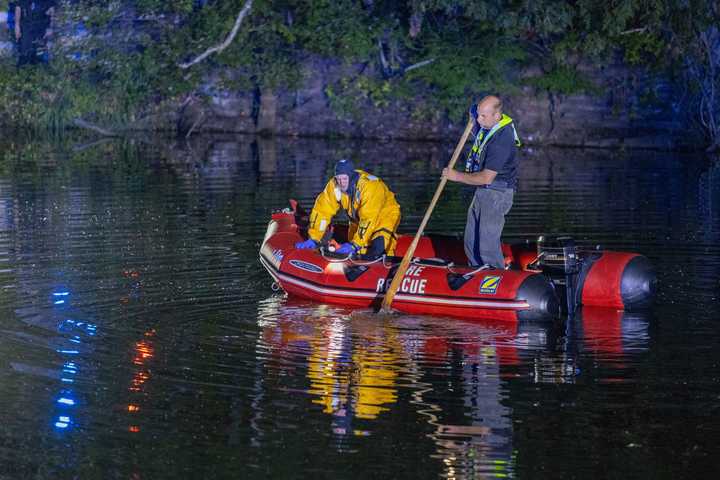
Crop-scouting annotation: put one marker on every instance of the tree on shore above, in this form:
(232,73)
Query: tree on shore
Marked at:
(135,63)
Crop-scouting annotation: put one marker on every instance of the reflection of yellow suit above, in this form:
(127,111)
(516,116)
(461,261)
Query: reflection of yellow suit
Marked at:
(360,387)
(376,374)
(325,368)
(373,212)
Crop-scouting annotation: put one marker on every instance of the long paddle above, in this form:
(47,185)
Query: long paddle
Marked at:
(405,263)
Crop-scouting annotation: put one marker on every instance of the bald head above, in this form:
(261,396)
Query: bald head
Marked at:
(489,111)
(492,102)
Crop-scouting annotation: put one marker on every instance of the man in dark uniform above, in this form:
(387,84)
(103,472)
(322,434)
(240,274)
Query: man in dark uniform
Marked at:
(491,166)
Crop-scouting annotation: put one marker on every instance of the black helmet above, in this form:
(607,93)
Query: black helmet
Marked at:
(344,167)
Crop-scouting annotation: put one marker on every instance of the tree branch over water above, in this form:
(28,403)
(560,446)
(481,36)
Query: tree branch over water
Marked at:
(228,40)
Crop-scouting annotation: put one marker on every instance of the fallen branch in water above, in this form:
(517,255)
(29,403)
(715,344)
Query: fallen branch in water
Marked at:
(85,146)
(79,122)
(219,48)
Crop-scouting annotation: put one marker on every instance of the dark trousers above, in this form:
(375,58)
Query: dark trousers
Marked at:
(485,221)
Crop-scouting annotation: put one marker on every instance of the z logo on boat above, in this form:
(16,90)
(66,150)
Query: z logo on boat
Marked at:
(308,267)
(489,284)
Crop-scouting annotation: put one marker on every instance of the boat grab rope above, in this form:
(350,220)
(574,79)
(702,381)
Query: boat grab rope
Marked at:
(471,273)
(335,258)
(369,262)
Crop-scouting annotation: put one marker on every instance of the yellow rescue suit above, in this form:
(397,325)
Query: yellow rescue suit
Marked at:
(373,212)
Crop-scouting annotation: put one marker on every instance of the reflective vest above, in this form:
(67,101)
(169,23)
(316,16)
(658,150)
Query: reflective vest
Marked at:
(474,159)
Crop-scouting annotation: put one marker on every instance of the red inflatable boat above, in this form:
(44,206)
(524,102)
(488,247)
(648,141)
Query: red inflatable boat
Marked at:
(539,279)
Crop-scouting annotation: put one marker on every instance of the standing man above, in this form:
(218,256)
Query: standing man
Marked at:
(491,166)
(370,205)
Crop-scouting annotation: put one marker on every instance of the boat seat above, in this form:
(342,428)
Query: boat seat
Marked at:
(353,272)
(457,280)
(440,262)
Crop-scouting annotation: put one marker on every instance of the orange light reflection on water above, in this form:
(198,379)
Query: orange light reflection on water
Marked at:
(143,352)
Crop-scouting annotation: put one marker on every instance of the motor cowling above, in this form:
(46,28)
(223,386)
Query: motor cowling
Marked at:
(561,262)
(558,255)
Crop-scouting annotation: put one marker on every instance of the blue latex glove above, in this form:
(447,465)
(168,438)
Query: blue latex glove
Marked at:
(474,112)
(347,249)
(309,243)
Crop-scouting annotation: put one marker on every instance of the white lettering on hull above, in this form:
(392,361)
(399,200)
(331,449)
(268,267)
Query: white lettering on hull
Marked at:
(408,285)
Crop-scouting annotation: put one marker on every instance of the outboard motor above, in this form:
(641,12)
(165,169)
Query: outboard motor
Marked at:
(559,260)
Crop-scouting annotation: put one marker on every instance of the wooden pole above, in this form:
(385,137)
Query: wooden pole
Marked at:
(405,263)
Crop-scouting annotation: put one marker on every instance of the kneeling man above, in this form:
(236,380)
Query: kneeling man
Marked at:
(370,205)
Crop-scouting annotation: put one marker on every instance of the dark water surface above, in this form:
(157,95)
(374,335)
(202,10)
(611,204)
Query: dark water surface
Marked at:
(141,339)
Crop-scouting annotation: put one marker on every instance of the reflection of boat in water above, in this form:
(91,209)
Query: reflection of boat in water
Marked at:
(363,372)
(449,382)
(357,367)
(607,332)
(439,282)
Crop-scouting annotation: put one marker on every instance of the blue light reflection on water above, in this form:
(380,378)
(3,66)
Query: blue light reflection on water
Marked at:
(65,406)
(65,398)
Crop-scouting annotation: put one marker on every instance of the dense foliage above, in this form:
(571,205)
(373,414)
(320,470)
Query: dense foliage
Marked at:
(118,61)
